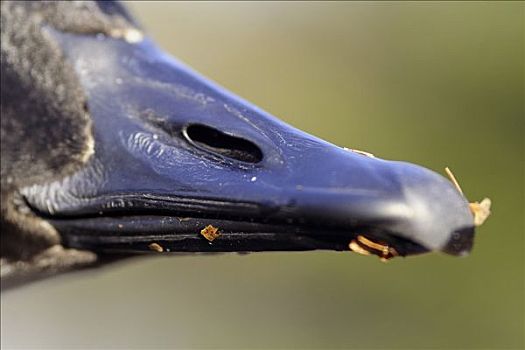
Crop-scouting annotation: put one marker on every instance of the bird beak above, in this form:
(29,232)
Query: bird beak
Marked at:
(180,164)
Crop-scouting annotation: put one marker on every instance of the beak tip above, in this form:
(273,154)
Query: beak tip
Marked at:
(461,242)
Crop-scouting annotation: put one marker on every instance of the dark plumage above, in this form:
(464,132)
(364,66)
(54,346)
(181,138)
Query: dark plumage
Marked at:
(111,148)
(46,132)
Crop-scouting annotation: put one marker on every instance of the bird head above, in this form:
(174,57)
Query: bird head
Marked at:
(126,150)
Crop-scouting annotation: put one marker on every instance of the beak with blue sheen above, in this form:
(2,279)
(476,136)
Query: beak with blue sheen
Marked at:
(174,153)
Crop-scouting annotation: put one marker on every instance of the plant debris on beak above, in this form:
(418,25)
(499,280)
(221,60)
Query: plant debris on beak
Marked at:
(480,210)
(365,246)
(210,233)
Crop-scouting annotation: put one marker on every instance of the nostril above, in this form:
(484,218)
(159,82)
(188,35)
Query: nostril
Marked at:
(215,141)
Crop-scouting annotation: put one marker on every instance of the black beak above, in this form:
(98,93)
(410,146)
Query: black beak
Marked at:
(174,153)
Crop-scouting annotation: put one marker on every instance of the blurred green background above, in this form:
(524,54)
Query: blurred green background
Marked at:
(438,84)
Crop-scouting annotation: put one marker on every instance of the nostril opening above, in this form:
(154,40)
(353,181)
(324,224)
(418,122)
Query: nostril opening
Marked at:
(215,141)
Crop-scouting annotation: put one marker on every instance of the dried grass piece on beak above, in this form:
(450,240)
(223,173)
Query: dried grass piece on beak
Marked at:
(365,246)
(481,211)
(355,247)
(363,153)
(210,232)
(156,247)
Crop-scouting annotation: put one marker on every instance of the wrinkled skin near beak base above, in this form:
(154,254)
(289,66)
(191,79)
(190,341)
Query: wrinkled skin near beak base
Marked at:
(174,153)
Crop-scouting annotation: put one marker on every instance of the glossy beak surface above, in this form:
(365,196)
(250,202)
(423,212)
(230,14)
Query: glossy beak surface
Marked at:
(174,153)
